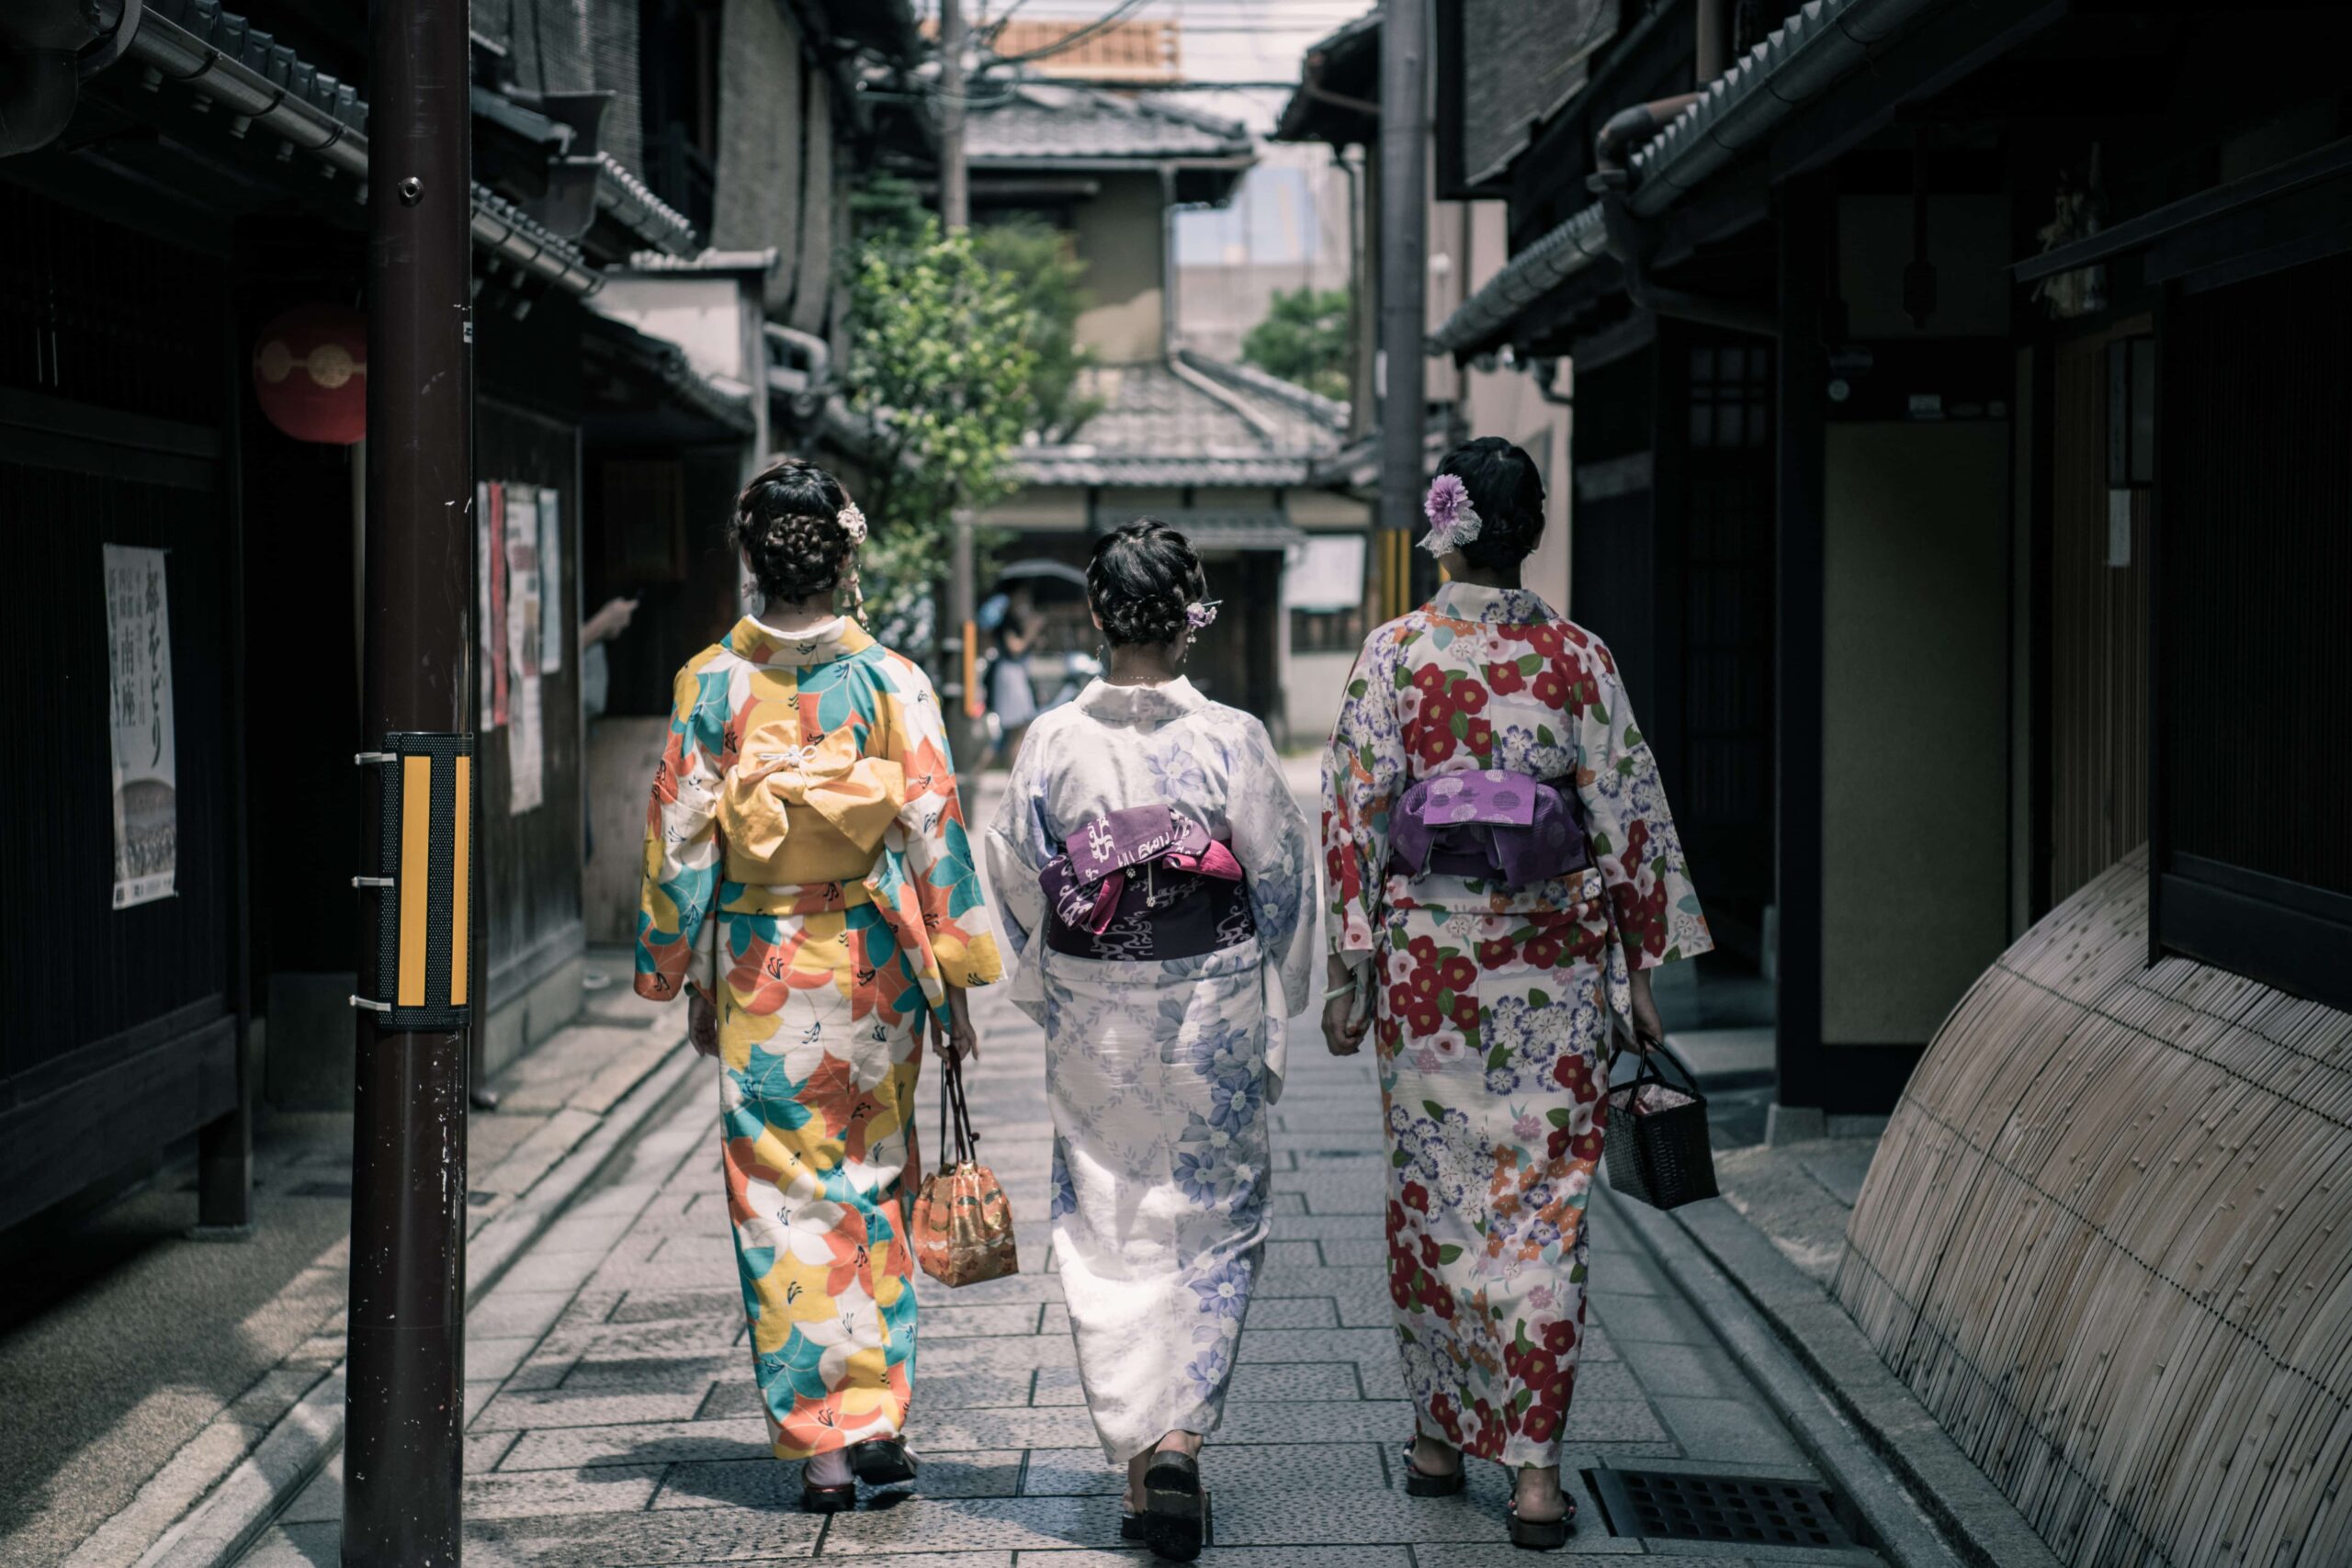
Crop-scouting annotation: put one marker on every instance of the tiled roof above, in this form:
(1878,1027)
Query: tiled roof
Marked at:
(1161,426)
(1038,120)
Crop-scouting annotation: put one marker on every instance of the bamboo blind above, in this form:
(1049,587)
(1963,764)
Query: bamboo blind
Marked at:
(2105,1240)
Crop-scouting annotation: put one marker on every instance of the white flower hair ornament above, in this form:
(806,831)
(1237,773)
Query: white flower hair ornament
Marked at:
(1453,522)
(853,522)
(1200,616)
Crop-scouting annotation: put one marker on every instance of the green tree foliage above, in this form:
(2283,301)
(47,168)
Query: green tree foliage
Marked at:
(1039,258)
(942,366)
(1304,339)
(959,347)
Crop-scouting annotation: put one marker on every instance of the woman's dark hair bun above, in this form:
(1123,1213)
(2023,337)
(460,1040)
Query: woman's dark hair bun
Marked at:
(1509,493)
(787,522)
(1142,576)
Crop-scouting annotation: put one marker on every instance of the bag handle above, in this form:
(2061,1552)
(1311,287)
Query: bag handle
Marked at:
(958,1142)
(1649,1072)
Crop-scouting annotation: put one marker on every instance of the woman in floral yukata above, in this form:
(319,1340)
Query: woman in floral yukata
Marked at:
(807,799)
(1157,880)
(1492,998)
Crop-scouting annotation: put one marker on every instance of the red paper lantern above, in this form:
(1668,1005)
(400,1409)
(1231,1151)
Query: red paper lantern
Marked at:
(310,373)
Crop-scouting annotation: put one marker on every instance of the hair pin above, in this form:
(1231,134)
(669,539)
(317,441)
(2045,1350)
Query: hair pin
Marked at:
(1201,615)
(1453,522)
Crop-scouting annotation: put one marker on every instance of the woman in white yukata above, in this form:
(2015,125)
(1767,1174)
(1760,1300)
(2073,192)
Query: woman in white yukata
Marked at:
(1157,881)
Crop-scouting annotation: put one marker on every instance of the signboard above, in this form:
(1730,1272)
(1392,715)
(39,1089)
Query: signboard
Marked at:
(146,770)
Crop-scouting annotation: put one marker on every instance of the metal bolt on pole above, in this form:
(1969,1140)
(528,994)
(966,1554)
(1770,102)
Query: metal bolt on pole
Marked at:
(402,1457)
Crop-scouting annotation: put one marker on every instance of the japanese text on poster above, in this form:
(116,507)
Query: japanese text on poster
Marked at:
(146,772)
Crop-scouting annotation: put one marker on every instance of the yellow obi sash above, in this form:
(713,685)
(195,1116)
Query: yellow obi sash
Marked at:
(798,812)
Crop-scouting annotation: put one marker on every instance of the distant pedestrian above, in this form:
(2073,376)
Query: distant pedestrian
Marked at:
(1157,878)
(807,799)
(1503,874)
(1012,695)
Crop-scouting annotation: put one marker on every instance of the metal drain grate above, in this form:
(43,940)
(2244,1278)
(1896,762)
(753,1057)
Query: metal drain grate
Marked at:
(1749,1510)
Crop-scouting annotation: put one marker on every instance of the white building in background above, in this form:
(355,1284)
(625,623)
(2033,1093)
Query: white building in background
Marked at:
(1287,228)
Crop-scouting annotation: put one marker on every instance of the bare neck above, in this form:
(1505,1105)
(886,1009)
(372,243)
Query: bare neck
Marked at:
(1141,664)
(799,614)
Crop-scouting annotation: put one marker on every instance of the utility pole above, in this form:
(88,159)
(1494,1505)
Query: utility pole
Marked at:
(402,1457)
(955,216)
(1404,273)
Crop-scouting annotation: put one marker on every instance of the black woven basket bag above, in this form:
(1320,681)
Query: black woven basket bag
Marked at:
(1662,1157)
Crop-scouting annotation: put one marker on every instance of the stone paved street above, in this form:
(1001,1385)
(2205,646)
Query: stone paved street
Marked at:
(613,1417)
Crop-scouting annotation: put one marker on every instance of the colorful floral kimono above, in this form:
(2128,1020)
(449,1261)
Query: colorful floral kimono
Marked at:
(1493,1004)
(1160,1072)
(807,796)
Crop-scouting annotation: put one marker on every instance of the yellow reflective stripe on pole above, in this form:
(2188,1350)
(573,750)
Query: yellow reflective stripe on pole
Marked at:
(974,707)
(462,881)
(416,835)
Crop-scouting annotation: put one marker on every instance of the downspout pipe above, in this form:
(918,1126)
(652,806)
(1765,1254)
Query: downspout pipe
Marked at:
(1630,239)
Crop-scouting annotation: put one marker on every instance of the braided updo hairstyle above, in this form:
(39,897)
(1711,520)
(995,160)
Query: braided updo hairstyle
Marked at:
(1140,579)
(787,524)
(1509,493)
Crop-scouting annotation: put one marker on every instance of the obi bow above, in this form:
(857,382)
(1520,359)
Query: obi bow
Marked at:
(777,772)
(1087,885)
(1490,825)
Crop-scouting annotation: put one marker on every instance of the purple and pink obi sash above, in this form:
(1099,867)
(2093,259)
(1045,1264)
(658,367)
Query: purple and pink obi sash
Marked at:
(1145,883)
(1488,825)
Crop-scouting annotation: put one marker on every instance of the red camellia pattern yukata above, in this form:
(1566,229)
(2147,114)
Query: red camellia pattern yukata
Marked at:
(1492,1005)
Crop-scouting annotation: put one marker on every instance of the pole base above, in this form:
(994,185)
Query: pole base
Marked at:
(221,1233)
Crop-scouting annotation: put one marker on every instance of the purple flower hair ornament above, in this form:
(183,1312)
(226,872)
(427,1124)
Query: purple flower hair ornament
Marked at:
(1200,616)
(1453,522)
(852,522)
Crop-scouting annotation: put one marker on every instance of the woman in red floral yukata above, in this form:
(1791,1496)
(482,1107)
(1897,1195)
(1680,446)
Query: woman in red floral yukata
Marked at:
(1493,968)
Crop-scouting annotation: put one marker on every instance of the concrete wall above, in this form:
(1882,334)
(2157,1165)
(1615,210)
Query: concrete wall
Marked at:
(1914,878)
(756,199)
(1119,236)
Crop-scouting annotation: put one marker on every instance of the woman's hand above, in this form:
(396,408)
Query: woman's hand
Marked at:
(957,1041)
(702,1024)
(1648,1029)
(1343,1031)
(1343,1036)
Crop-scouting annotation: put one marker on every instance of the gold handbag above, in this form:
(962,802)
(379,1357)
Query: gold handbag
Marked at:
(962,1223)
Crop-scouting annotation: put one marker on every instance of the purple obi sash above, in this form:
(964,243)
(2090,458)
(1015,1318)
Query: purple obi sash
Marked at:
(1489,824)
(1145,883)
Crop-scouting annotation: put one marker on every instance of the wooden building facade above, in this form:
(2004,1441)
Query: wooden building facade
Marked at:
(175,521)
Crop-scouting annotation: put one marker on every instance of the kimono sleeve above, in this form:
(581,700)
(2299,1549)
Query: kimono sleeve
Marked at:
(938,847)
(682,847)
(1362,772)
(1271,840)
(1632,832)
(1018,849)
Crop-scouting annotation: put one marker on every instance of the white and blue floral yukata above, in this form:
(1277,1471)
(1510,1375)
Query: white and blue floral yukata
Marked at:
(1160,1072)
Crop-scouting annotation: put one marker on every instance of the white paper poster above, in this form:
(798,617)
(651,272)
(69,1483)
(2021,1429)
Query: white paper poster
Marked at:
(486,629)
(525,749)
(551,600)
(146,770)
(525,743)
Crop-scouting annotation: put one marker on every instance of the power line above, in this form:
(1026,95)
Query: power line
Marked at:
(1073,39)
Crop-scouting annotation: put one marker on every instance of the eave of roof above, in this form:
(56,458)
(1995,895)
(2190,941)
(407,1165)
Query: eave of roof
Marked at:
(264,84)
(1314,113)
(1819,45)
(1079,464)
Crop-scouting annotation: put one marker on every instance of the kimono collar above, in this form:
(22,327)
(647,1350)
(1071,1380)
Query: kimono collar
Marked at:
(821,644)
(1141,705)
(1502,606)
